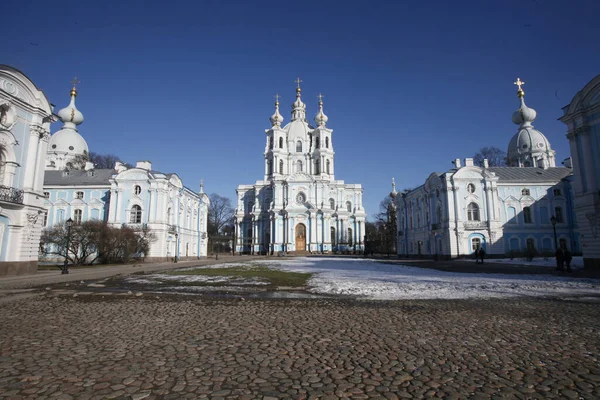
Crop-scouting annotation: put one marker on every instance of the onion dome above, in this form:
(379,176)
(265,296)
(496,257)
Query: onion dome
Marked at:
(70,115)
(524,115)
(298,107)
(276,118)
(68,140)
(321,118)
(528,147)
(393,193)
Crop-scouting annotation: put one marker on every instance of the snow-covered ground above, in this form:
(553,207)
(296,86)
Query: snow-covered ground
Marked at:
(380,281)
(376,280)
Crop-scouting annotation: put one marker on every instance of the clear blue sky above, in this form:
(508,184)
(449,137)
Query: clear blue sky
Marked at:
(408,86)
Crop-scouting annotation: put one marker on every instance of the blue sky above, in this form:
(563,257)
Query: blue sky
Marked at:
(408,86)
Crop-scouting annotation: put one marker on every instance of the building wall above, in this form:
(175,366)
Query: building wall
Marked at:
(434,219)
(582,117)
(25,117)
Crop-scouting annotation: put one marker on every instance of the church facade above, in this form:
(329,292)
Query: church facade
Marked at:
(299,206)
(582,117)
(25,117)
(525,207)
(139,196)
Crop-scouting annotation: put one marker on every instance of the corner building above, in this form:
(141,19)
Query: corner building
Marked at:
(299,206)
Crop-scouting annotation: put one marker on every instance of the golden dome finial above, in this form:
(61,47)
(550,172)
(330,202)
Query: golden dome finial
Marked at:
(298,81)
(75,81)
(276,99)
(519,83)
(320,97)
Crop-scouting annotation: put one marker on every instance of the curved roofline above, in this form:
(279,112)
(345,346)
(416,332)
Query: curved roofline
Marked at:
(581,96)
(16,71)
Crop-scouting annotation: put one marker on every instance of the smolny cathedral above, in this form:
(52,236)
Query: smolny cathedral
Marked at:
(298,206)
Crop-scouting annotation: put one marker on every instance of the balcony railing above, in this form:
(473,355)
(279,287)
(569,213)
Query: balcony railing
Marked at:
(476,225)
(11,194)
(435,227)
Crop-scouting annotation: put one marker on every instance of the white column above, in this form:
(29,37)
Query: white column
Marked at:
(31,161)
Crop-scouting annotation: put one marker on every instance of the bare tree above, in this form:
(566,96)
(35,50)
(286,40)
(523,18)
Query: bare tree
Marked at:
(100,161)
(95,241)
(495,156)
(220,214)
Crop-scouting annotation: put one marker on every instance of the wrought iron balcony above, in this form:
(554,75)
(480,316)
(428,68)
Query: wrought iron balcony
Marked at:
(11,194)
(473,225)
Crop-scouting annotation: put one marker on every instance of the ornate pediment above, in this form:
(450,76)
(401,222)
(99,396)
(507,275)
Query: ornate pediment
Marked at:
(300,177)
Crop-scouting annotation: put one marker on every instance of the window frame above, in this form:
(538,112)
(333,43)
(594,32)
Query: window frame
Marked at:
(77,216)
(79,195)
(135,214)
(527,215)
(473,213)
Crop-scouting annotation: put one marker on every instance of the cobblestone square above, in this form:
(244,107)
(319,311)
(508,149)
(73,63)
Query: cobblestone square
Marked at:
(193,347)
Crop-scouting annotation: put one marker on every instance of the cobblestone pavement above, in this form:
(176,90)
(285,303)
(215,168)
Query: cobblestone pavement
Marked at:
(191,347)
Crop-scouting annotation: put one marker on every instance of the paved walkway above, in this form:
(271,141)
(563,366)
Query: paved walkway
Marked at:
(46,277)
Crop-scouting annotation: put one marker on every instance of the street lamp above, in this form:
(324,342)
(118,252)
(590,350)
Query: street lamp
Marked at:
(65,269)
(553,222)
(176,246)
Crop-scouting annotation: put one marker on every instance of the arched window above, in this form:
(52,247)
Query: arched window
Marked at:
(527,215)
(473,212)
(269,167)
(135,216)
(137,190)
(326,142)
(281,143)
(281,167)
(475,243)
(349,236)
(317,167)
(332,236)
(169,216)
(348,206)
(298,166)
(439,214)
(298,146)
(270,142)
(327,166)
(332,204)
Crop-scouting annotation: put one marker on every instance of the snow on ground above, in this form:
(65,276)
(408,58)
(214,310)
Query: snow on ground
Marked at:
(381,281)
(550,262)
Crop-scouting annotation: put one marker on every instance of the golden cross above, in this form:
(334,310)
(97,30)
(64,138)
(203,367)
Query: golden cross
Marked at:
(320,96)
(277,98)
(75,81)
(201,182)
(298,81)
(519,83)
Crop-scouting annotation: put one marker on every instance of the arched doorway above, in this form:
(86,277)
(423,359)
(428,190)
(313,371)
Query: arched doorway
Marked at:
(301,237)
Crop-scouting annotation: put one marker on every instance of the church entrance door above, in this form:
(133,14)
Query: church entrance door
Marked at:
(301,237)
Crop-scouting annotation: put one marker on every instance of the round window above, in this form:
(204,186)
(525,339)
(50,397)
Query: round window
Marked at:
(53,146)
(524,146)
(71,148)
(300,198)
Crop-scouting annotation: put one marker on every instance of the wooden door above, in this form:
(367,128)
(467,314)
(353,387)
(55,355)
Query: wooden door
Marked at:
(300,237)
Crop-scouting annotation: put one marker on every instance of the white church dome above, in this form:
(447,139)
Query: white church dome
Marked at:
(67,141)
(528,145)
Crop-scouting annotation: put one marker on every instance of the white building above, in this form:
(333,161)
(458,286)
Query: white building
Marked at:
(504,210)
(299,206)
(25,117)
(136,196)
(582,117)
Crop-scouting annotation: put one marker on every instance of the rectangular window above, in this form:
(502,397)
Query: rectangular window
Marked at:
(79,195)
(525,192)
(527,215)
(47,195)
(77,214)
(557,192)
(558,213)
(45,218)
